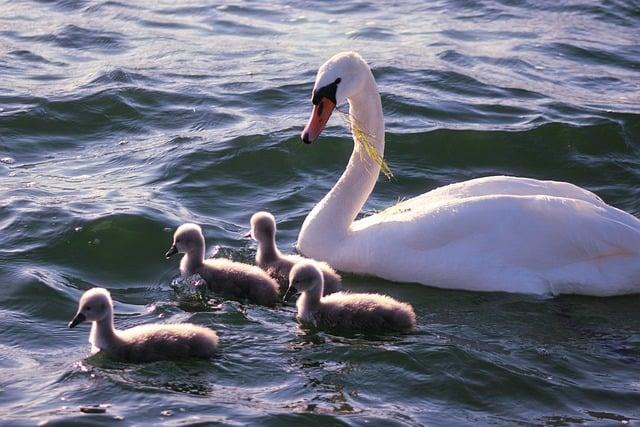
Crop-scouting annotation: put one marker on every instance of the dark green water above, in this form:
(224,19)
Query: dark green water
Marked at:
(120,120)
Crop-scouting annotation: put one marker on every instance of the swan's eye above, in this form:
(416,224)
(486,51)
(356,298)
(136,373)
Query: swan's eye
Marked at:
(177,240)
(88,308)
(328,91)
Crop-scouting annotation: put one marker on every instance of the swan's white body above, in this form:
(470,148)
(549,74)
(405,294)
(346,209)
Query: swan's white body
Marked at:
(489,234)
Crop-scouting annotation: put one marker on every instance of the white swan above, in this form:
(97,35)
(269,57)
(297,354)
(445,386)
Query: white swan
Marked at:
(488,234)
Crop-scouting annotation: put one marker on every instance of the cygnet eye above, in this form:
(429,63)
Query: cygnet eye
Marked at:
(88,308)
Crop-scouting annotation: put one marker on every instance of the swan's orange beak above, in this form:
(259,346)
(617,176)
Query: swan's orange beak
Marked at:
(318,120)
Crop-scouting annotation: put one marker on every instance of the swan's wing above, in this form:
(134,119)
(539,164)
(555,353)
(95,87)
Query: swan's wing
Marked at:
(485,239)
(494,185)
(571,227)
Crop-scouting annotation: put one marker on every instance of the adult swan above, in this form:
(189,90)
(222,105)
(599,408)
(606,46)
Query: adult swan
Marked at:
(489,234)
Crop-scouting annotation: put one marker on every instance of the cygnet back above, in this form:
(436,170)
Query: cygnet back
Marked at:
(240,281)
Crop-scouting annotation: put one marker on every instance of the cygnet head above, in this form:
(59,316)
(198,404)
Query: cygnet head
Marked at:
(188,237)
(95,305)
(263,227)
(340,78)
(304,276)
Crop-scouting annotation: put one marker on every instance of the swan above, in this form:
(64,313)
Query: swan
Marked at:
(222,275)
(277,265)
(495,233)
(345,311)
(145,343)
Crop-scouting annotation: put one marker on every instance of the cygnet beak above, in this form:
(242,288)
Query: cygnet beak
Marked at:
(77,320)
(172,251)
(290,291)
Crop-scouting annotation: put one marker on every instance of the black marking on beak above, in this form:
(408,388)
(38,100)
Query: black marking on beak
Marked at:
(77,320)
(172,251)
(247,235)
(328,91)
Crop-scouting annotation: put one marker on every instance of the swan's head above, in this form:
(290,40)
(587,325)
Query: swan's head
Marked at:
(263,227)
(339,79)
(186,238)
(303,277)
(95,305)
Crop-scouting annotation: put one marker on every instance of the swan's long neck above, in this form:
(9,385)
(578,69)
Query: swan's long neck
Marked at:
(267,250)
(309,302)
(329,221)
(103,334)
(192,260)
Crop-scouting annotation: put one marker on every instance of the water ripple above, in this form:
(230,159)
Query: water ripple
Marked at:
(121,120)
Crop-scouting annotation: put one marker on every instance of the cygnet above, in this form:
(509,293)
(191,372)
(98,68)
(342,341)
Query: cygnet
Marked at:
(277,265)
(346,311)
(229,278)
(145,343)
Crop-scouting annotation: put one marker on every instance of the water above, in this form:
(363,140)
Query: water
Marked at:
(120,120)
